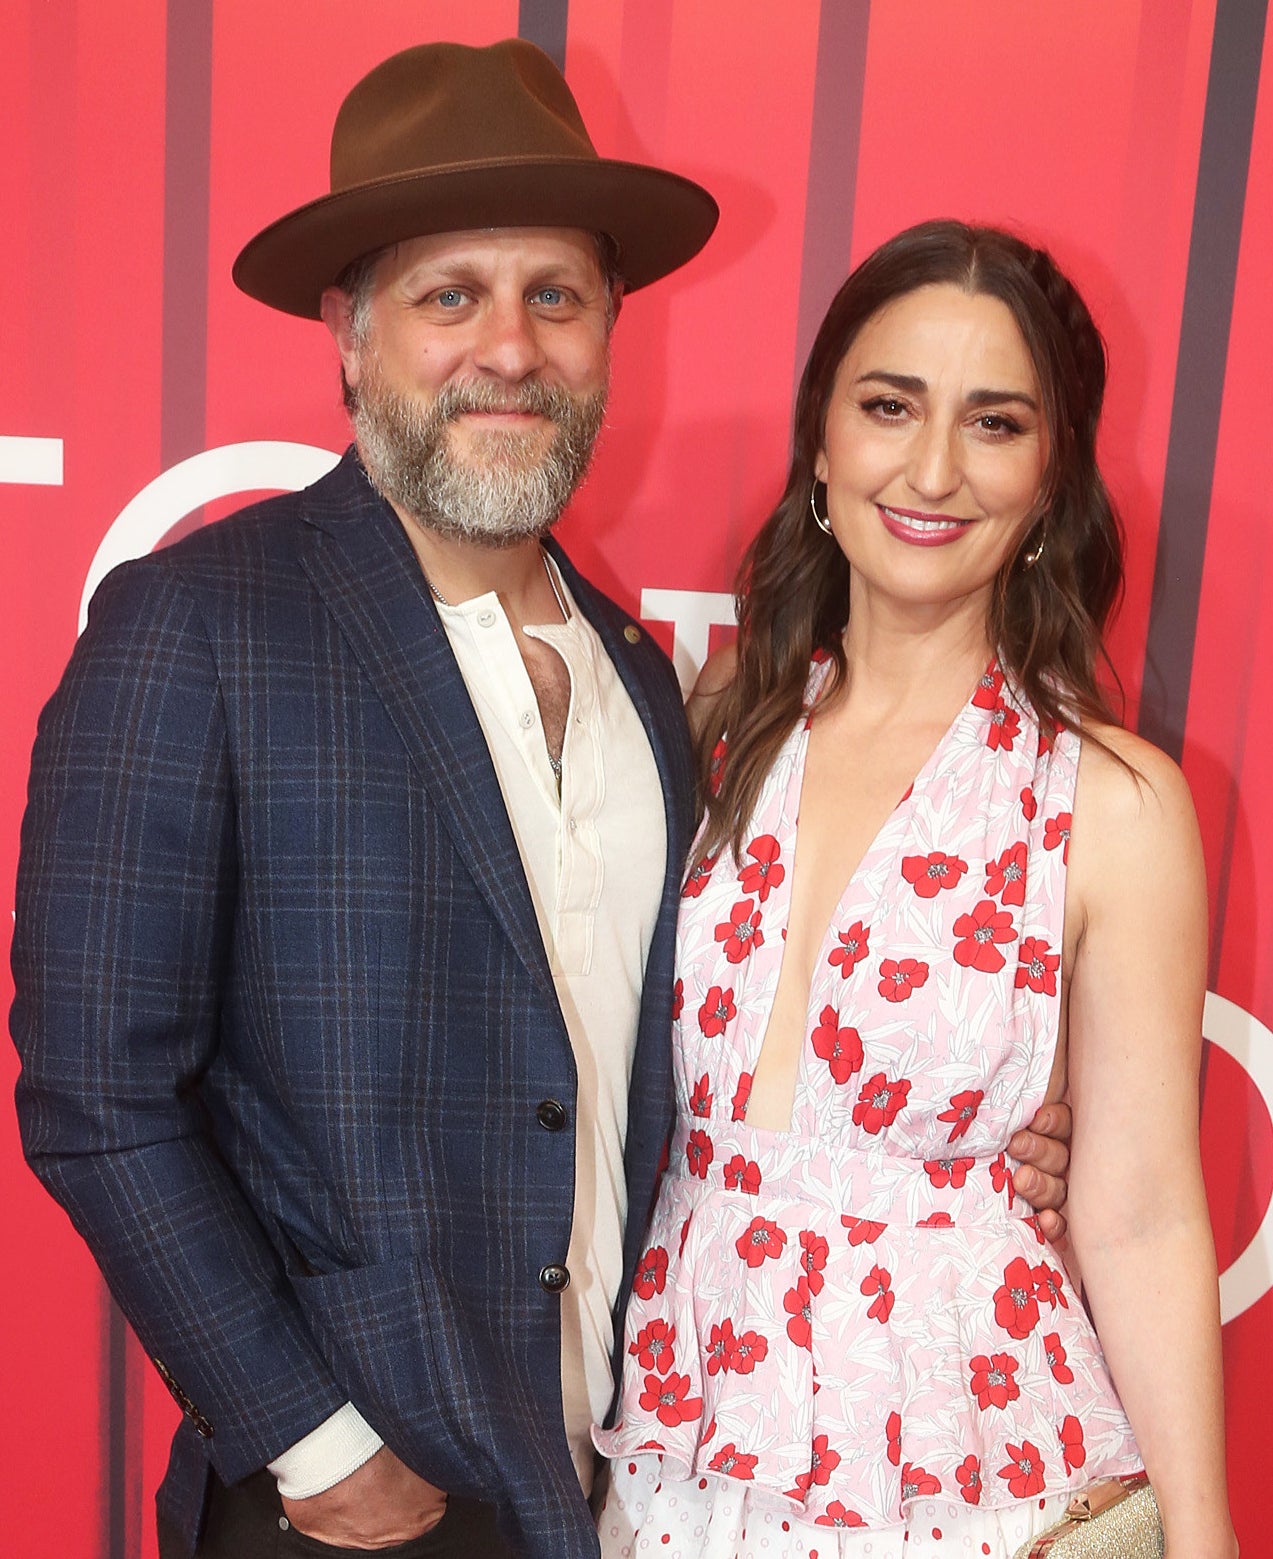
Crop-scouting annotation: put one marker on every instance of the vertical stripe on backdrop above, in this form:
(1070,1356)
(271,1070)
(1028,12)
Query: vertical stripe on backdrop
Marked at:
(1232,85)
(543,22)
(833,157)
(182,432)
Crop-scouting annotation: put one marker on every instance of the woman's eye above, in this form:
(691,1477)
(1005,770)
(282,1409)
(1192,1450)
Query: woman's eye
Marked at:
(886,407)
(996,423)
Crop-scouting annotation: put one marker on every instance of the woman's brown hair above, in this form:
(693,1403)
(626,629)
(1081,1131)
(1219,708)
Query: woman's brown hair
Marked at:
(792,592)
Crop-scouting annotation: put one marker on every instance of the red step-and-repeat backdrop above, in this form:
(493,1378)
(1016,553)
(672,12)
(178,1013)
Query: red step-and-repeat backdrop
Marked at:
(145,140)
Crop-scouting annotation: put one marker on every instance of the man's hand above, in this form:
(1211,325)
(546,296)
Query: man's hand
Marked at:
(1040,1179)
(381,1504)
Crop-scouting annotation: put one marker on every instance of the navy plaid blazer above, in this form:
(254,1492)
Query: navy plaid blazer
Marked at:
(285,1014)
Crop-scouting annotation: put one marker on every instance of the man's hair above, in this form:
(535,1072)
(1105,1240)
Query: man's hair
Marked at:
(359,276)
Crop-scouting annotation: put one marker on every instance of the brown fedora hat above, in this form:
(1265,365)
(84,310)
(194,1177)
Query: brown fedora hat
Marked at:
(442,138)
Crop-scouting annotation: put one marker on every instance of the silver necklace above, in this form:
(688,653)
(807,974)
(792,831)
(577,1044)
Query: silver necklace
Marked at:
(553,763)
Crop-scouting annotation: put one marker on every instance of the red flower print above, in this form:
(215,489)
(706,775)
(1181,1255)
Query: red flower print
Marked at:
(1004,726)
(1070,1435)
(880,1103)
(742,1174)
(1016,1308)
(1024,1473)
(699,876)
(722,1346)
(1006,876)
(1056,1355)
(893,1431)
(840,1048)
(798,1304)
(988,689)
(1056,831)
(862,1231)
(750,1349)
(993,1379)
(929,874)
(678,999)
(936,1221)
(1001,1178)
(814,1251)
(651,1273)
(968,1476)
(669,1400)
(979,932)
(717,1010)
(654,1346)
(877,1281)
(761,1238)
(685,1230)
(1029,806)
(915,1481)
(764,874)
(741,1094)
(838,1516)
(716,768)
(900,976)
(1032,1223)
(1048,1287)
(963,1111)
(1037,967)
(825,1461)
(701,1098)
(855,944)
(733,1462)
(943,1172)
(741,933)
(699,1153)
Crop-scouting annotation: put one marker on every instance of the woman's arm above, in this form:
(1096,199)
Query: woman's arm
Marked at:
(1137,1208)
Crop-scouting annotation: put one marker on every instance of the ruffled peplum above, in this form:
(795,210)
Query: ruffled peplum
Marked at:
(926,1344)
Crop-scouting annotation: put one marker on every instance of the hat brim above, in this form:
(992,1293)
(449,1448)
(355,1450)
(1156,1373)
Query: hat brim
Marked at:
(658,219)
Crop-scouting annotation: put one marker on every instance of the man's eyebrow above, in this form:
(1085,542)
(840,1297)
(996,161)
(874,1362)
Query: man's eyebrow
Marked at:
(914,385)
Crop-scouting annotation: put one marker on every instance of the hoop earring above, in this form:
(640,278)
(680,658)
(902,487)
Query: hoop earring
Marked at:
(820,520)
(1029,559)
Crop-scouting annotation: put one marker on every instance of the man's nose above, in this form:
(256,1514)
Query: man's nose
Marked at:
(933,470)
(508,342)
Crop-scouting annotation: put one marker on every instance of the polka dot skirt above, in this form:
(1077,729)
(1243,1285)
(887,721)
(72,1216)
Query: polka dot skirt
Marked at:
(714,1518)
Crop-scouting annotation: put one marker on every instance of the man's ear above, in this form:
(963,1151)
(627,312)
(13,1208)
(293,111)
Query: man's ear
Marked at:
(336,308)
(616,302)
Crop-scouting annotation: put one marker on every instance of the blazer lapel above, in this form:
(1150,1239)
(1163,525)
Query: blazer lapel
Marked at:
(361,563)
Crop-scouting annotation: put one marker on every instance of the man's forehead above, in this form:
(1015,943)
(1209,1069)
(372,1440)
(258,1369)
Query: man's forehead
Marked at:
(528,247)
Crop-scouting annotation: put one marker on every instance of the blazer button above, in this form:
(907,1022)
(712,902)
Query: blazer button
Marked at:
(554,1279)
(550,1115)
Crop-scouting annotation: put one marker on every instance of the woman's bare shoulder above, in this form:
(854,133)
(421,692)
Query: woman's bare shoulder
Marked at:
(1128,782)
(713,681)
(1134,820)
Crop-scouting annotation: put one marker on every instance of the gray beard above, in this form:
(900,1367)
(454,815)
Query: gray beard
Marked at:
(517,487)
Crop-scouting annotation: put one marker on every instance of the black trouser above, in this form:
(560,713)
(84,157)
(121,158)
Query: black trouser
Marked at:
(246,1521)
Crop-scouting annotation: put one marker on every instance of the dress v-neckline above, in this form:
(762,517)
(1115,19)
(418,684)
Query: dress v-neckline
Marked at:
(845,906)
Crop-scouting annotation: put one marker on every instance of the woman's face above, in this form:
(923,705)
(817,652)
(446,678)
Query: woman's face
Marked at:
(935,446)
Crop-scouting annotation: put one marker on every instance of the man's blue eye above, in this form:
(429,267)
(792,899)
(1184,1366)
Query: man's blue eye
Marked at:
(551,294)
(450,297)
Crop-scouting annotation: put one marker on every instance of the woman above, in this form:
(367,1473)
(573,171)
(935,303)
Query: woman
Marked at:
(845,1339)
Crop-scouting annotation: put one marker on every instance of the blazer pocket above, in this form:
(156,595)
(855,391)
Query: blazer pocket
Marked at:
(377,1332)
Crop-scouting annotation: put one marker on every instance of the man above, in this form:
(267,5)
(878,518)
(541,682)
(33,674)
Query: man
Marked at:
(349,878)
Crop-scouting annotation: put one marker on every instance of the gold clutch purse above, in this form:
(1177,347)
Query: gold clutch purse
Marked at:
(1115,1519)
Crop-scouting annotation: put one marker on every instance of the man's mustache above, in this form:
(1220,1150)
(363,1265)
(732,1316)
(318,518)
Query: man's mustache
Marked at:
(530,398)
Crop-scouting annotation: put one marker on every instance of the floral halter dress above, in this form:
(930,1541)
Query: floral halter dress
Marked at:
(849,1335)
